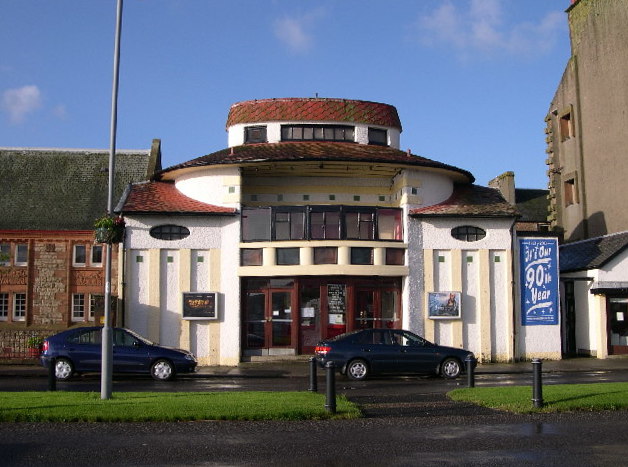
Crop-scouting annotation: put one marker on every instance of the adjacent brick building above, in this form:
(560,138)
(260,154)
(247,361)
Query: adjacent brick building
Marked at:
(51,271)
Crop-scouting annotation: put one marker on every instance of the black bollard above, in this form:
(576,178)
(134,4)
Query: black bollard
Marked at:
(537,383)
(52,377)
(313,381)
(330,394)
(470,376)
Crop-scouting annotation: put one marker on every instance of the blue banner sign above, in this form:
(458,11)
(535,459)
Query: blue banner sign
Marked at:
(539,280)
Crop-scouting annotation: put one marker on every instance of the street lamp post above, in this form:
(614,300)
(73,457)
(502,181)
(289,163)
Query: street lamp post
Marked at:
(107,335)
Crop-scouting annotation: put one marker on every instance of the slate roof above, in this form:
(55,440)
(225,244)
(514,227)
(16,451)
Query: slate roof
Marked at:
(313,109)
(64,189)
(164,198)
(315,151)
(532,204)
(470,201)
(592,253)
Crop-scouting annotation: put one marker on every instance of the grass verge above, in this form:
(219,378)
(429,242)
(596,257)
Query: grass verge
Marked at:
(556,398)
(63,406)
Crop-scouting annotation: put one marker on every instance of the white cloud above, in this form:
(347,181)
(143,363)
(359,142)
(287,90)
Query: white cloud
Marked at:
(19,102)
(295,32)
(479,26)
(60,111)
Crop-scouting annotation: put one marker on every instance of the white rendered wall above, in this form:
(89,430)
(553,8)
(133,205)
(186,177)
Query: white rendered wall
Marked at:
(156,281)
(482,272)
(273,131)
(211,186)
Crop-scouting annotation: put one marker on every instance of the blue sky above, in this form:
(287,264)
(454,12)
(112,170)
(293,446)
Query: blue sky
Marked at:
(471,79)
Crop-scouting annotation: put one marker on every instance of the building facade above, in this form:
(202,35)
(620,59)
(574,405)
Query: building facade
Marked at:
(312,222)
(51,271)
(585,135)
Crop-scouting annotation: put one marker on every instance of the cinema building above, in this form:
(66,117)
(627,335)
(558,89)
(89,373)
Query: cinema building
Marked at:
(313,222)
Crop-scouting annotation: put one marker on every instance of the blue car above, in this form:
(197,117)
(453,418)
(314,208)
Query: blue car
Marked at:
(359,354)
(79,350)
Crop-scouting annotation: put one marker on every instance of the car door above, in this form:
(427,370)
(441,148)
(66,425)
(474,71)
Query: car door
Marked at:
(414,354)
(376,347)
(130,355)
(84,348)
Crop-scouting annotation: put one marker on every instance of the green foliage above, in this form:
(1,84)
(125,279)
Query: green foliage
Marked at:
(35,342)
(556,397)
(109,222)
(182,406)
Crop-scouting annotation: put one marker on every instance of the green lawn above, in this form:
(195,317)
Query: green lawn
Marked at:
(556,398)
(181,406)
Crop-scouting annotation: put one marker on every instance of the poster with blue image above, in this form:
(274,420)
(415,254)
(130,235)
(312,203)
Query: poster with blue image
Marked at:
(539,280)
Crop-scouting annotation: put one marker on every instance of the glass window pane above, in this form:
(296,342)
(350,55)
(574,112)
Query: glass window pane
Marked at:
(96,254)
(287,256)
(332,225)
(308,133)
(5,254)
(79,254)
(366,226)
(361,255)
(395,256)
(351,224)
(389,225)
(255,224)
(297,225)
(316,225)
(21,254)
(325,255)
(297,133)
(251,257)
(318,133)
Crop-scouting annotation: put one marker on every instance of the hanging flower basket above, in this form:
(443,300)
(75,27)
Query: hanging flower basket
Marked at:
(109,229)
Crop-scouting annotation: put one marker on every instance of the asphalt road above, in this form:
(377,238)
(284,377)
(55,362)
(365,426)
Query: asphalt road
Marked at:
(409,421)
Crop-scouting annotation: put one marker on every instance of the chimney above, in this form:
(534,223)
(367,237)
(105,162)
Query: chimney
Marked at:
(505,183)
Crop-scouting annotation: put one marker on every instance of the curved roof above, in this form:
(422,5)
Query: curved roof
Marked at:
(315,151)
(470,201)
(313,109)
(163,197)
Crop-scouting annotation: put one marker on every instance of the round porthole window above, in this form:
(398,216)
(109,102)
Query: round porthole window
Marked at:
(169,232)
(468,233)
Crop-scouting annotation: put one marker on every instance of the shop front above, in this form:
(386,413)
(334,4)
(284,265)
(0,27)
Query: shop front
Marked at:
(290,315)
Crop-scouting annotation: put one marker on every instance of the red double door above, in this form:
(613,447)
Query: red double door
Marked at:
(296,313)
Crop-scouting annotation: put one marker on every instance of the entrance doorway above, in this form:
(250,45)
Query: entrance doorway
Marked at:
(268,316)
(291,315)
(617,311)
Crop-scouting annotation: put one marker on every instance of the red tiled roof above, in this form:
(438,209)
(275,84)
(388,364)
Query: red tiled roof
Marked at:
(315,151)
(313,109)
(163,197)
(470,201)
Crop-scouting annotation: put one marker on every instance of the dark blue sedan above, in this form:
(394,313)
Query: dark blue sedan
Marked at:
(78,350)
(360,353)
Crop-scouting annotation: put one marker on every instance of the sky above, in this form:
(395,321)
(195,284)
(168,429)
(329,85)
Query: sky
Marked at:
(472,80)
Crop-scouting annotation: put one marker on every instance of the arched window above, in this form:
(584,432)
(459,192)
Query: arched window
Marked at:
(468,233)
(169,232)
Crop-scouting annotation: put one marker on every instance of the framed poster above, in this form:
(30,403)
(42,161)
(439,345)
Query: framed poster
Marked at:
(539,280)
(443,305)
(200,305)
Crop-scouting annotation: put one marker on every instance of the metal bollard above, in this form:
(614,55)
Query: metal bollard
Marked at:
(470,376)
(537,383)
(313,382)
(330,393)
(52,377)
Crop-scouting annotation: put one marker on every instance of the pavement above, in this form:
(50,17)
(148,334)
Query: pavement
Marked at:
(300,367)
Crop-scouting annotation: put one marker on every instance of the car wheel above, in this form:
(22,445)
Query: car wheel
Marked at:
(63,369)
(357,370)
(450,368)
(162,370)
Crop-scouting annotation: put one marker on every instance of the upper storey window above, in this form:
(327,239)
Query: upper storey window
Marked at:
(255,134)
(317,133)
(378,136)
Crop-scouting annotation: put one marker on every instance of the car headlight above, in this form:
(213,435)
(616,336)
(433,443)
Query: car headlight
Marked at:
(189,356)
